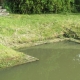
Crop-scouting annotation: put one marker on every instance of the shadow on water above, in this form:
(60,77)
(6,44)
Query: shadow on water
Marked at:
(57,61)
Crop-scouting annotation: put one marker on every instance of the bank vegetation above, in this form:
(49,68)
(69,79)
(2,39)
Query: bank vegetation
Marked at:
(27,30)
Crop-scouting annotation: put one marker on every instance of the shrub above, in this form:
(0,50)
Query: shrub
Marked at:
(41,6)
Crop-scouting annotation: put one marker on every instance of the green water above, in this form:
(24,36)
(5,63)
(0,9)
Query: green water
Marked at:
(57,61)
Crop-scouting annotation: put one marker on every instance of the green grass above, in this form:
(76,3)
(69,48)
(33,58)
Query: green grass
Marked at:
(29,28)
(17,29)
(10,57)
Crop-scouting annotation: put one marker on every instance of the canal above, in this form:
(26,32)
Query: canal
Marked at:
(57,61)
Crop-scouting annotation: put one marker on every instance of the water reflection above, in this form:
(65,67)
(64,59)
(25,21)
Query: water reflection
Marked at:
(77,58)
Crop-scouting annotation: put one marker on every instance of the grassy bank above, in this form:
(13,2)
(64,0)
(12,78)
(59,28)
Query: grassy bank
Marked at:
(9,57)
(16,30)
(19,29)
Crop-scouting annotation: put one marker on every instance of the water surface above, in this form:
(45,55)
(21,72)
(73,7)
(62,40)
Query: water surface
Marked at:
(57,61)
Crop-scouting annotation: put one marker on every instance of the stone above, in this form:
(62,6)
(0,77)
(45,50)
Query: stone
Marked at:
(0,7)
(3,12)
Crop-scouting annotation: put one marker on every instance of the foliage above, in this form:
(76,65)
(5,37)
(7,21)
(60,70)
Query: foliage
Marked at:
(77,5)
(42,6)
